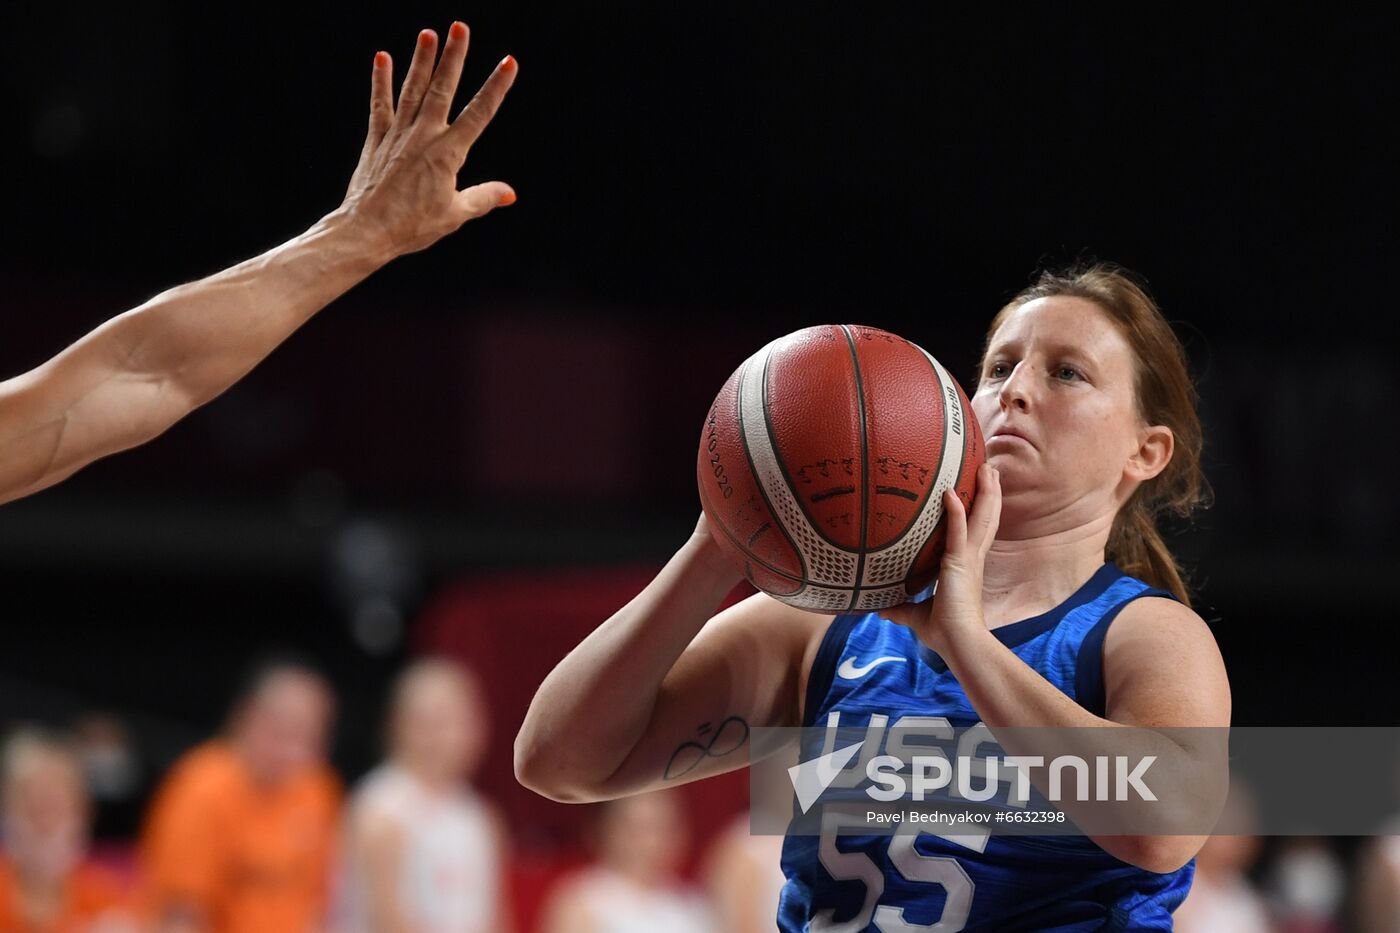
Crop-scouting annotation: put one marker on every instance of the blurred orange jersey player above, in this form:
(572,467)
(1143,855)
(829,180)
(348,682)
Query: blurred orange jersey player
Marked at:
(89,898)
(241,834)
(46,883)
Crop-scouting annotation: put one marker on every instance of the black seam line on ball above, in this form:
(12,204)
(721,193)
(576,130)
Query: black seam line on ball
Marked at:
(753,471)
(921,501)
(787,475)
(864,468)
(761,529)
(752,558)
(831,493)
(900,491)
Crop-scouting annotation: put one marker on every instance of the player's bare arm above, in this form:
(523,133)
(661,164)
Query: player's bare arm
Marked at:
(1162,670)
(377,842)
(665,691)
(140,372)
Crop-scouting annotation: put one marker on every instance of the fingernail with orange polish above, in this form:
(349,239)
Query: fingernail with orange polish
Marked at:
(508,63)
(507,199)
(426,37)
(458,30)
(381,59)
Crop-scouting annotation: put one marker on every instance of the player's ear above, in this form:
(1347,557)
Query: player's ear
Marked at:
(1154,451)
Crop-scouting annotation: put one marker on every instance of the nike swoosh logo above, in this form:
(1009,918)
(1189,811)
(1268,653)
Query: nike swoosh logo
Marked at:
(810,778)
(849,671)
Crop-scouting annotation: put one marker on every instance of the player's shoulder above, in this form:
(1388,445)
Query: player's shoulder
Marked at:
(382,790)
(211,768)
(1154,630)
(1152,617)
(787,637)
(321,786)
(776,612)
(1161,648)
(797,631)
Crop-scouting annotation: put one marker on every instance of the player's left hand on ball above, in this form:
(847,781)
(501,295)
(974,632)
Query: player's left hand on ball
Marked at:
(957,602)
(403,195)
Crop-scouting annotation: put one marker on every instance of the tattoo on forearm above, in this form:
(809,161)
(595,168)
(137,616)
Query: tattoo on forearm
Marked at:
(714,743)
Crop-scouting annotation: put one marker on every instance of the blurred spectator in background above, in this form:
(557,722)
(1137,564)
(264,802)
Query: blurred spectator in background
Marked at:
(423,852)
(744,876)
(1222,899)
(1378,885)
(116,781)
(1306,886)
(633,887)
(240,834)
(1378,880)
(46,884)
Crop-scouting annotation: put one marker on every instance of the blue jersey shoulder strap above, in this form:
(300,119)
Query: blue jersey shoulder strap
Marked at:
(1065,643)
(1088,681)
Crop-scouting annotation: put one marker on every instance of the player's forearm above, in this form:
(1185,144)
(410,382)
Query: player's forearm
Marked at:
(1033,719)
(593,708)
(1004,690)
(201,337)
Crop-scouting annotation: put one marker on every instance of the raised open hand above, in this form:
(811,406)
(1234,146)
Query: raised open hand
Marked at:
(403,195)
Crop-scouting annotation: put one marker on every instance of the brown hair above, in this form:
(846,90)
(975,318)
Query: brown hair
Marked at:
(1165,396)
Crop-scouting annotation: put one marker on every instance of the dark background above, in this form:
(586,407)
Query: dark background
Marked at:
(693,181)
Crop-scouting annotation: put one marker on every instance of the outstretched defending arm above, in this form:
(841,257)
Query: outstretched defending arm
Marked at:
(137,374)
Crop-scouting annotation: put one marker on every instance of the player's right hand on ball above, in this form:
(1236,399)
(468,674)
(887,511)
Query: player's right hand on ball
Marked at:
(403,196)
(702,539)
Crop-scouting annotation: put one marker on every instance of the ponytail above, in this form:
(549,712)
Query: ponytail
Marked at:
(1136,546)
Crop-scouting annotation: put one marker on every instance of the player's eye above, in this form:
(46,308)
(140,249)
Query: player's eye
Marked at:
(998,370)
(1067,373)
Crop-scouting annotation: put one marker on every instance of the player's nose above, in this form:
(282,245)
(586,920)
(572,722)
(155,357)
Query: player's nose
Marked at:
(1014,391)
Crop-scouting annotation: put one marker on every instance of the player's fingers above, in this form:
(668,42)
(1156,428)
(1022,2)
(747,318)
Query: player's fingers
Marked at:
(483,198)
(381,96)
(955,541)
(478,113)
(909,614)
(443,87)
(416,81)
(986,509)
(381,106)
(381,109)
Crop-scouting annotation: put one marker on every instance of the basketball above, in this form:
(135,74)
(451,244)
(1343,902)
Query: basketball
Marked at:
(823,463)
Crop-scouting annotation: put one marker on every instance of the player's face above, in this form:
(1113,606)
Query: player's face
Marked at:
(45,815)
(1058,407)
(440,726)
(286,727)
(646,834)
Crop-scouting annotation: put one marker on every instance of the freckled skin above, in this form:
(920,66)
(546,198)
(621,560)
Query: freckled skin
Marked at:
(1059,371)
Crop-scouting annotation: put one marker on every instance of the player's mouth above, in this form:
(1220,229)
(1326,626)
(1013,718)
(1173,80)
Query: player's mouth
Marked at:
(1009,435)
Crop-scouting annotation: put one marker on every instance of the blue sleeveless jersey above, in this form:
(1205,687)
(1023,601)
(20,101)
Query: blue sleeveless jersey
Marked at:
(1000,883)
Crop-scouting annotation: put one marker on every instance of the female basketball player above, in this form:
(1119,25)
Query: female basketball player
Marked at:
(424,850)
(1058,604)
(139,373)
